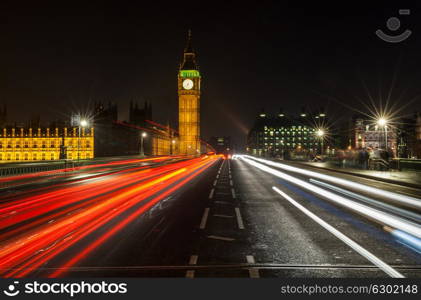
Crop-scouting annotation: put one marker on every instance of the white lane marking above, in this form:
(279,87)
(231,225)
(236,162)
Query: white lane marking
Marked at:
(233,193)
(222,238)
(250,259)
(362,209)
(192,261)
(211,193)
(222,202)
(365,253)
(230,176)
(231,183)
(253,272)
(222,216)
(239,219)
(217,176)
(204,218)
(214,183)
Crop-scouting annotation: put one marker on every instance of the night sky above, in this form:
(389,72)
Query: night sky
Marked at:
(56,59)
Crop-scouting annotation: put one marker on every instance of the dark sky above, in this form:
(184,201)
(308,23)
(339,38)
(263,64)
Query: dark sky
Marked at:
(58,58)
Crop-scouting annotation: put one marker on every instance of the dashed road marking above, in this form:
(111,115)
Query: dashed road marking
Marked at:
(204,218)
(222,193)
(190,274)
(250,259)
(214,183)
(231,183)
(211,193)
(223,216)
(253,272)
(233,193)
(222,202)
(239,218)
(192,261)
(222,238)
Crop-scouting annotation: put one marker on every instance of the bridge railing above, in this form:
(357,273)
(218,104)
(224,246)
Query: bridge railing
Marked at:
(33,168)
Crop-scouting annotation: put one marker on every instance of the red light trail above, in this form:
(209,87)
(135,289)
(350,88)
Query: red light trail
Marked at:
(37,228)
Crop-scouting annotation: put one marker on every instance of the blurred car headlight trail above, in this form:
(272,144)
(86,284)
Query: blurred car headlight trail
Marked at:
(390,208)
(362,251)
(399,198)
(371,213)
(22,255)
(408,240)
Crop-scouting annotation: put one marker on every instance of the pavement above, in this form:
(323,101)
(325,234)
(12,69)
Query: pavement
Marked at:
(222,219)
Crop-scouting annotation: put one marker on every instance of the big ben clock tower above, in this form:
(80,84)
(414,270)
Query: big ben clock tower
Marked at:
(189,102)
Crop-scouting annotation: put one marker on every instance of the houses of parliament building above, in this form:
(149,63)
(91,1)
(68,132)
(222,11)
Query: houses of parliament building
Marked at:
(112,137)
(51,143)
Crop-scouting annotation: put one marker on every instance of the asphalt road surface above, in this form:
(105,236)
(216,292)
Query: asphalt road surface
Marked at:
(207,217)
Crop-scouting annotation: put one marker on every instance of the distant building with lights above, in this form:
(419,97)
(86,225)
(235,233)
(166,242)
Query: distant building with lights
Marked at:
(221,144)
(116,138)
(367,134)
(285,135)
(35,144)
(370,135)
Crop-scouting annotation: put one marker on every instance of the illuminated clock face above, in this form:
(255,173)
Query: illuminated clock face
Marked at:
(188,84)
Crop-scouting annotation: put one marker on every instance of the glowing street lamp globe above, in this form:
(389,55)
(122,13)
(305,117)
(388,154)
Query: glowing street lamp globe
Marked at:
(320,133)
(382,122)
(83,123)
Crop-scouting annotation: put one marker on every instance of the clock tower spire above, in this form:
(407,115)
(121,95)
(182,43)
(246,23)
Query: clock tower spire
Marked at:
(189,79)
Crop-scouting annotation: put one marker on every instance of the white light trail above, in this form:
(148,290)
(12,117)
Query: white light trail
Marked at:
(371,213)
(362,251)
(393,209)
(402,199)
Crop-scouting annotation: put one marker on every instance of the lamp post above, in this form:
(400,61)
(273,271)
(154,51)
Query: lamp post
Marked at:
(172,146)
(382,122)
(142,136)
(83,123)
(320,134)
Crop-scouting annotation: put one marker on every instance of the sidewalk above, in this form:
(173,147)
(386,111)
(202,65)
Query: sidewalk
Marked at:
(407,178)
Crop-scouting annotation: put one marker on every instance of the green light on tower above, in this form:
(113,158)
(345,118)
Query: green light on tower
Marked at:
(189,73)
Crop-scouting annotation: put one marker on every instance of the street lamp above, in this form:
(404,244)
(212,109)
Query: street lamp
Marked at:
(320,134)
(142,136)
(172,146)
(82,123)
(382,122)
